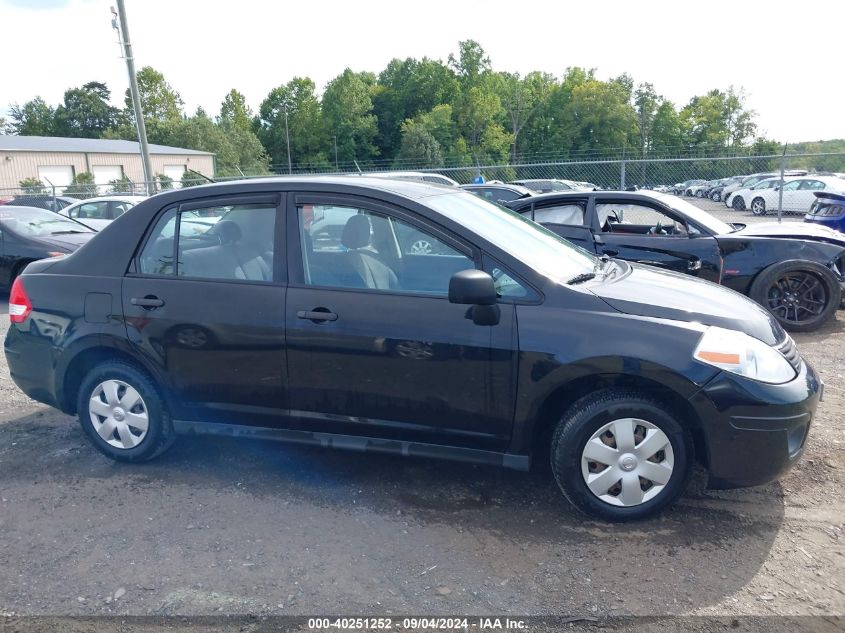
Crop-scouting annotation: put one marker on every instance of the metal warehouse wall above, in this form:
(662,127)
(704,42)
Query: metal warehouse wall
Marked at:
(16,165)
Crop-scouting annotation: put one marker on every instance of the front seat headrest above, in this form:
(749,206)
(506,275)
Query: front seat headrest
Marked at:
(228,231)
(356,232)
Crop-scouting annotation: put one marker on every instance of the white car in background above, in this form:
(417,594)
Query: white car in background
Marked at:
(740,199)
(798,194)
(99,212)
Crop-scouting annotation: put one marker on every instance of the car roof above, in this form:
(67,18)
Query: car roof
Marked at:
(126,198)
(412,189)
(497,185)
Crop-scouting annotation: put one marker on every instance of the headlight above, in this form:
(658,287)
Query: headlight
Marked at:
(741,354)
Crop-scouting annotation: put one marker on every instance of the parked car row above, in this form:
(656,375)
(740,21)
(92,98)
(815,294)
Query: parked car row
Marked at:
(792,194)
(502,343)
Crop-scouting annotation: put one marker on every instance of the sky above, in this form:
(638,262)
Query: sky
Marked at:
(783,54)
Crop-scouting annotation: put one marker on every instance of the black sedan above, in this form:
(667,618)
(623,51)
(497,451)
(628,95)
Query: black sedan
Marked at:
(38,201)
(29,233)
(502,344)
(499,192)
(794,270)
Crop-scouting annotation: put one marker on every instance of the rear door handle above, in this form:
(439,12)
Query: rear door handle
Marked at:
(147,302)
(316,315)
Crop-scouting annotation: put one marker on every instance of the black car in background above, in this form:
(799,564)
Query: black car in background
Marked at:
(28,234)
(50,203)
(794,270)
(499,192)
(502,344)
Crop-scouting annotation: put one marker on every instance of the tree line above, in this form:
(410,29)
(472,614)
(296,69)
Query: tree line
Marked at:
(416,113)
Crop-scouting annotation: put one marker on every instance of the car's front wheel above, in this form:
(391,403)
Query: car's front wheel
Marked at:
(716,196)
(758,206)
(619,455)
(801,295)
(738,203)
(122,412)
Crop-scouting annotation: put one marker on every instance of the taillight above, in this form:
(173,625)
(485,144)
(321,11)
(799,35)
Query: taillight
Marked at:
(19,304)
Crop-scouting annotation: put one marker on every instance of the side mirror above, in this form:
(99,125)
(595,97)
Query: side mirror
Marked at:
(476,289)
(472,287)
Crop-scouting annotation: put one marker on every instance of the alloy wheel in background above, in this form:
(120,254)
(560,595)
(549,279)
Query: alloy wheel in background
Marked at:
(627,462)
(797,297)
(758,206)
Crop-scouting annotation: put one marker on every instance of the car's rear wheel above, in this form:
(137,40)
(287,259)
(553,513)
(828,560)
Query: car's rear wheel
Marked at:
(699,194)
(123,413)
(738,203)
(801,295)
(716,196)
(619,455)
(758,206)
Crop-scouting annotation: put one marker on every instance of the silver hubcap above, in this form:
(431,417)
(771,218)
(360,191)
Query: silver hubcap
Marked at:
(627,462)
(421,247)
(118,414)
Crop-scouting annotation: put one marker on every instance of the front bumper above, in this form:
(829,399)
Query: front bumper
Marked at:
(754,432)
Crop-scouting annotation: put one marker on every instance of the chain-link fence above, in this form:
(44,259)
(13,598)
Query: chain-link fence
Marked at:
(664,173)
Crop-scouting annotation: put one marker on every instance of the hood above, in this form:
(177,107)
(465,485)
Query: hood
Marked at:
(650,292)
(799,230)
(68,241)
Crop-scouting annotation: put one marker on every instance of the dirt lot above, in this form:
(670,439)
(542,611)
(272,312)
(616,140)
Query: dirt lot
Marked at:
(223,526)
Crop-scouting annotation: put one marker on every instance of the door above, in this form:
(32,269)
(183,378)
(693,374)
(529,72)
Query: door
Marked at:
(206,303)
(566,218)
(374,346)
(639,232)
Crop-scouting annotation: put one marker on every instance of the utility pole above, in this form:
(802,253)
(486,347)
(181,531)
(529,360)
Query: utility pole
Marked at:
(287,140)
(335,152)
(119,24)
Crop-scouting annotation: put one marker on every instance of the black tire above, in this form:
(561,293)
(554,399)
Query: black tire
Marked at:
(738,203)
(770,286)
(160,434)
(758,206)
(586,417)
(716,196)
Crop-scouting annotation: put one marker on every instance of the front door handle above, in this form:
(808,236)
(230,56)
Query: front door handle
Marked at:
(317,315)
(148,302)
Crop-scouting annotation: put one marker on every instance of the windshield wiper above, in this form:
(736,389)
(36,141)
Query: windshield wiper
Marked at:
(68,232)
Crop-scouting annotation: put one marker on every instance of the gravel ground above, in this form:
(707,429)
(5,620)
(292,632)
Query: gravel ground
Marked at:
(224,526)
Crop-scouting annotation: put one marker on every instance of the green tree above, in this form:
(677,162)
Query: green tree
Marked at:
(522,98)
(164,181)
(33,118)
(347,110)
(646,102)
(33,187)
(406,88)
(82,186)
(234,112)
(472,63)
(419,148)
(121,185)
(159,101)
(666,129)
(309,140)
(86,112)
(599,116)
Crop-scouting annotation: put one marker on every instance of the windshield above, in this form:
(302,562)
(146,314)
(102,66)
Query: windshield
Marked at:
(37,222)
(518,236)
(699,216)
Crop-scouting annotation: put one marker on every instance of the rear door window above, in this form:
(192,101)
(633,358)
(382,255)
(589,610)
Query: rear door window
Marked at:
(230,243)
